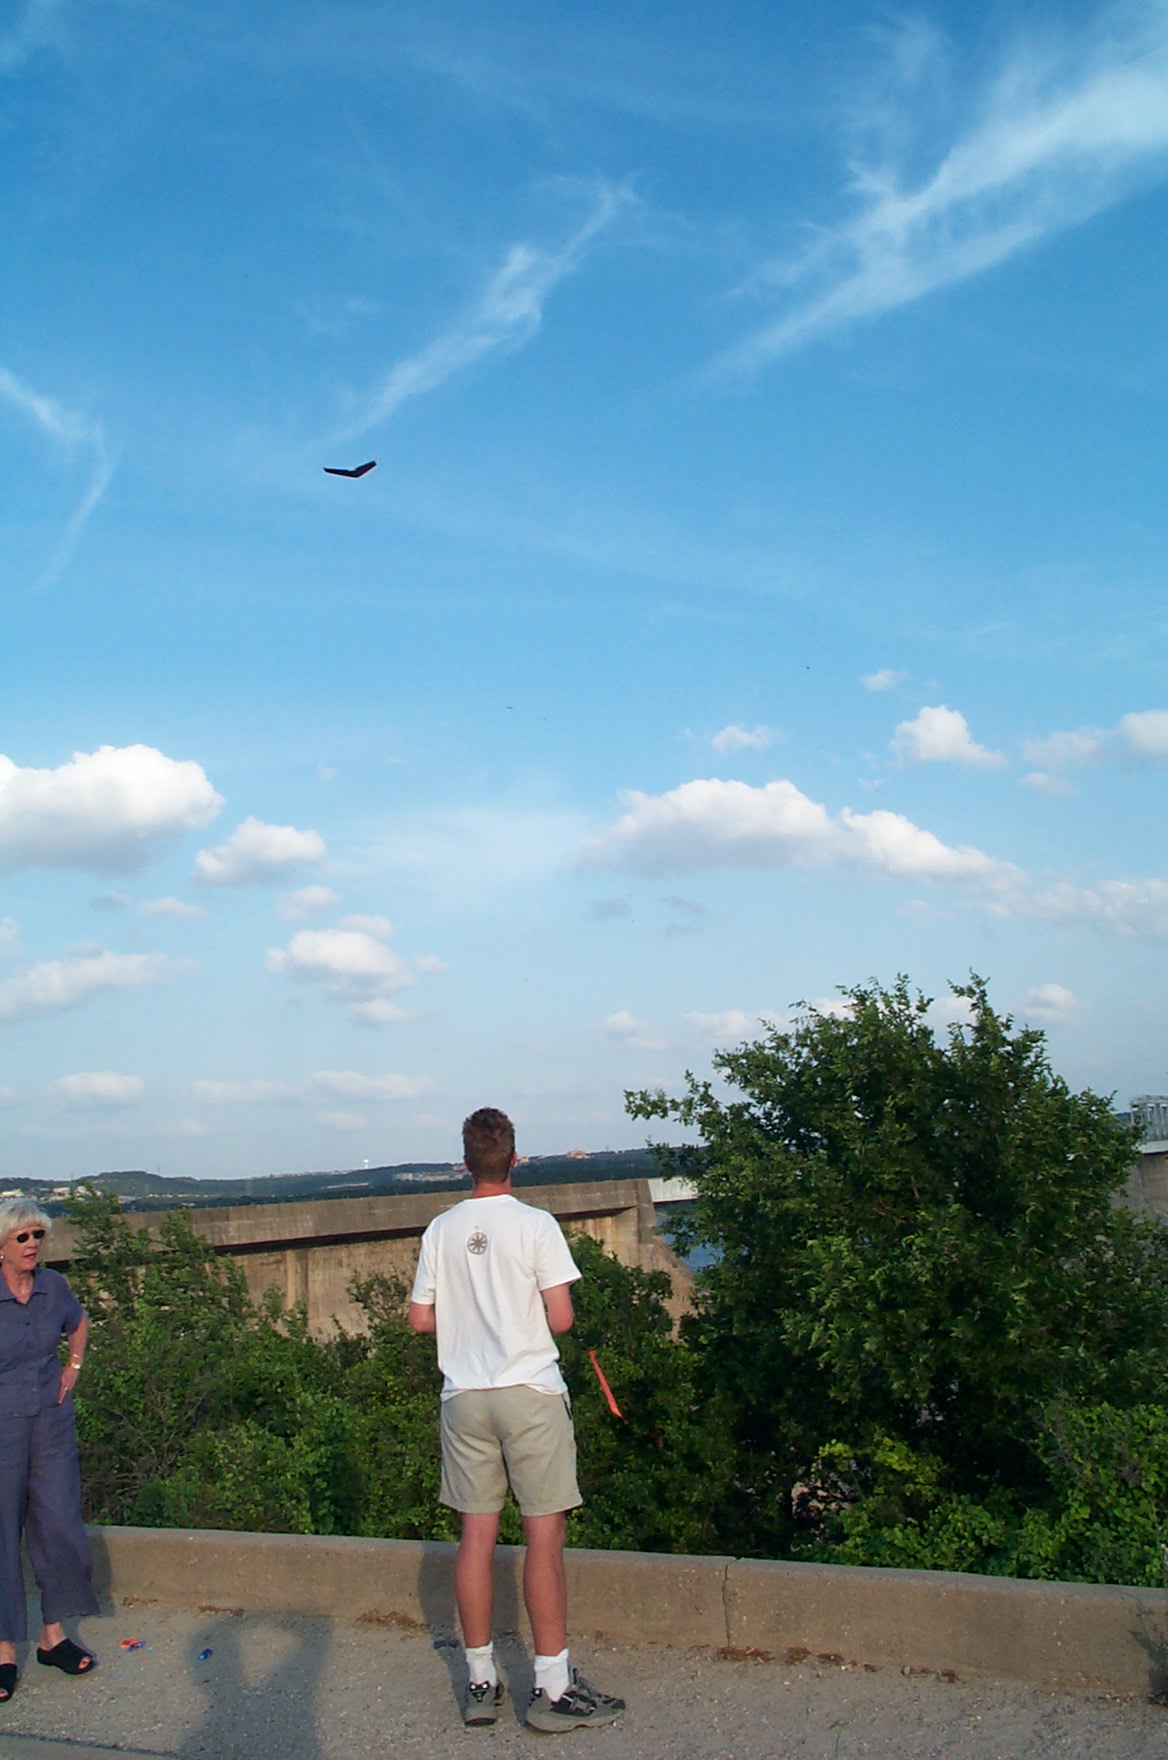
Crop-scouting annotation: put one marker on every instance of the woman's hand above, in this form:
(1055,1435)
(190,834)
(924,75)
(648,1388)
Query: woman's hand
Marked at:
(77,1341)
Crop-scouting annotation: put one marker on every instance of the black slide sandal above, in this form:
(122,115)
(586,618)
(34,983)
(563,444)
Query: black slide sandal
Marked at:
(67,1656)
(7,1681)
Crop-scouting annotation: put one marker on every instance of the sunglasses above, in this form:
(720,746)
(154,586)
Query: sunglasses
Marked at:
(30,1234)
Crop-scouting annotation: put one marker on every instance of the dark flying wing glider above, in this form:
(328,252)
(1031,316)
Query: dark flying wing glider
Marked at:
(333,470)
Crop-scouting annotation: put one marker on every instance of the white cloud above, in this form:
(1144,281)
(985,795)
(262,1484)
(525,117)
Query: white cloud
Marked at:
(1146,733)
(349,1084)
(101,1087)
(884,680)
(59,984)
(508,315)
(9,935)
(379,1012)
(1053,1004)
(256,853)
(1068,750)
(950,1010)
(1043,782)
(171,907)
(308,902)
(635,1034)
(740,739)
(1139,738)
(429,965)
(941,736)
(837,1008)
(111,901)
(352,963)
(342,1121)
(1055,139)
(711,823)
(729,1027)
(8,1096)
(346,1084)
(253,1093)
(111,810)
(67,428)
(1134,910)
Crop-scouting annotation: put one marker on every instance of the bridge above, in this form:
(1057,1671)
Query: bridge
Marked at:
(311,1250)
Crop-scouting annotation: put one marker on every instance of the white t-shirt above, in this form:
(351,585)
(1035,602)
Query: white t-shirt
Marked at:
(483,1265)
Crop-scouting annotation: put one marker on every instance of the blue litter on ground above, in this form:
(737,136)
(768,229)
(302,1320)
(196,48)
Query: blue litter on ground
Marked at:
(205,1655)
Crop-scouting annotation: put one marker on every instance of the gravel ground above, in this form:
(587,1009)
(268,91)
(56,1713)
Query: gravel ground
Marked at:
(277,1688)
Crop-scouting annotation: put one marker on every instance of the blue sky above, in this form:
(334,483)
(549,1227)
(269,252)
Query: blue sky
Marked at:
(761,586)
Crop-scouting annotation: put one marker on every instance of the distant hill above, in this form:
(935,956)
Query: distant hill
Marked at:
(139,1190)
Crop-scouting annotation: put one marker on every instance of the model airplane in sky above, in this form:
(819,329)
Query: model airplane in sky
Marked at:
(333,470)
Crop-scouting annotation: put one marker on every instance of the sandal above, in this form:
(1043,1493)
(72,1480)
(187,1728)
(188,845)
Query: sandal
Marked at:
(67,1656)
(7,1681)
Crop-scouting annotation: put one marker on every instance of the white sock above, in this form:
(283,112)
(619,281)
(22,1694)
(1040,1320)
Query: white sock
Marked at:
(553,1674)
(481,1665)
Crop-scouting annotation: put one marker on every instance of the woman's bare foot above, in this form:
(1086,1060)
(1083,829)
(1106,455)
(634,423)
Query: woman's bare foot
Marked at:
(7,1652)
(50,1637)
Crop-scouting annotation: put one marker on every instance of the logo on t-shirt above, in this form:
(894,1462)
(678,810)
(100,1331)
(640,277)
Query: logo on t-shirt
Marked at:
(477,1242)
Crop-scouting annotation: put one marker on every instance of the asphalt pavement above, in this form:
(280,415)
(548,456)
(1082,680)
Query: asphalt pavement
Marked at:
(282,1688)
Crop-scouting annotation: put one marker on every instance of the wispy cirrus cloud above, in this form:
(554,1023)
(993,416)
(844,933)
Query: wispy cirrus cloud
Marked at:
(508,314)
(1060,134)
(72,432)
(33,30)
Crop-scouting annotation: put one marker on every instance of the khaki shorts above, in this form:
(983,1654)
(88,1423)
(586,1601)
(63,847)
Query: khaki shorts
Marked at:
(493,1437)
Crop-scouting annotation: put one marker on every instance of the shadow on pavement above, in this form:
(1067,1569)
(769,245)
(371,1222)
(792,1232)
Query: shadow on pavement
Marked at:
(276,1719)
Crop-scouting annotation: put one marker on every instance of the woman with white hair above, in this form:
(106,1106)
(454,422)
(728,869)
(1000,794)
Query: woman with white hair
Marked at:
(40,1479)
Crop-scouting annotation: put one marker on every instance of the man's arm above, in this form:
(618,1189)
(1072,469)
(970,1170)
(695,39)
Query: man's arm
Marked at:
(421,1317)
(557,1303)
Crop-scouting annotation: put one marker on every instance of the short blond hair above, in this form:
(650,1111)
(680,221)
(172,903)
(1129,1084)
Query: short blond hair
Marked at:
(21,1213)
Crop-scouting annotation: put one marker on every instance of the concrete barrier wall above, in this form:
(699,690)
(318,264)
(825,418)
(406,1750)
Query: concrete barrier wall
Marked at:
(311,1249)
(1062,1634)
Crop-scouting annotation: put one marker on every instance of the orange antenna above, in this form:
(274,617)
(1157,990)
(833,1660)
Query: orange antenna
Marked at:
(606,1389)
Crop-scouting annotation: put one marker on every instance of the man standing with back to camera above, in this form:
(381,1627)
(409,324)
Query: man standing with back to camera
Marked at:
(494,1282)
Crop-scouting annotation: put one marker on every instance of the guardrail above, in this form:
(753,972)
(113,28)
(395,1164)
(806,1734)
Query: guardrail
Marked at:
(1058,1634)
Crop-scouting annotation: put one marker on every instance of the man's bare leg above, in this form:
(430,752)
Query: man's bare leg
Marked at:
(545,1586)
(474,1578)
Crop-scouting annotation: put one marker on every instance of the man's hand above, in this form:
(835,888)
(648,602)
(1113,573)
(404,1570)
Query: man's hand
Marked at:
(421,1317)
(557,1303)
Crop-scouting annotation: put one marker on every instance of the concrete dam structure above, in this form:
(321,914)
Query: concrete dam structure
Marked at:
(312,1250)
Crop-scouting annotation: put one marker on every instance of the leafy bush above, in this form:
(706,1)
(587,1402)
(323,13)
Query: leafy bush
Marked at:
(199,1409)
(916,1258)
(926,1335)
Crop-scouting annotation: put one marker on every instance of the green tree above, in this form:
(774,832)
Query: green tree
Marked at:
(916,1246)
(200,1409)
(656,1479)
(193,1398)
